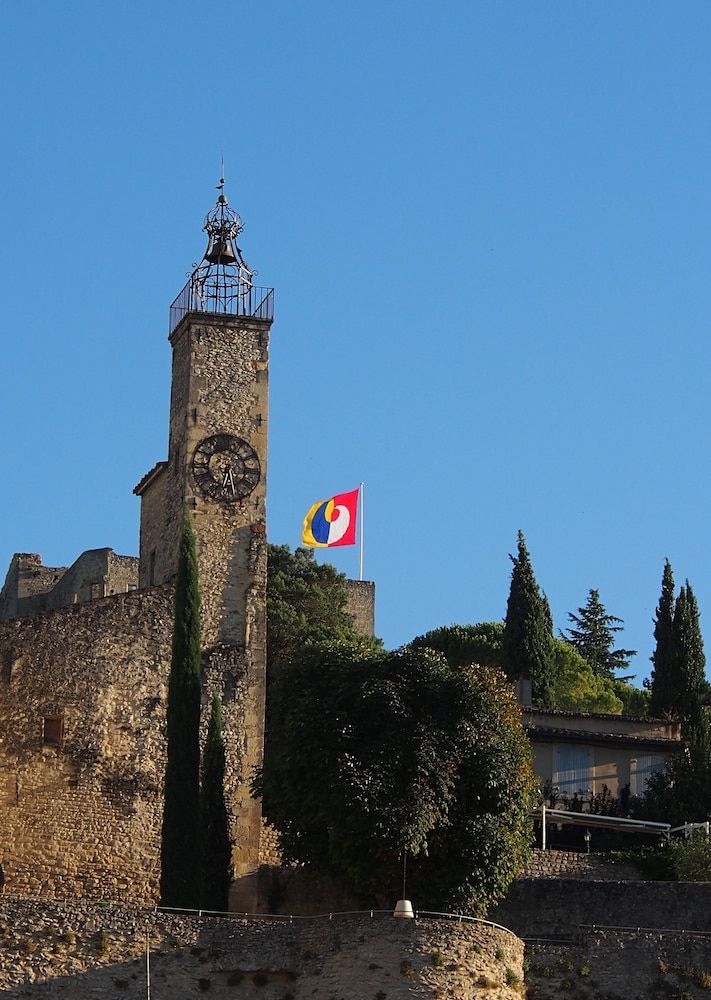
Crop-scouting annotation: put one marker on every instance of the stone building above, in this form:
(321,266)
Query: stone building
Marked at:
(85,650)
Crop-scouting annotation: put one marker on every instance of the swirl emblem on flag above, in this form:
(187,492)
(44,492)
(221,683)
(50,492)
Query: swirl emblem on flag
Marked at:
(331,522)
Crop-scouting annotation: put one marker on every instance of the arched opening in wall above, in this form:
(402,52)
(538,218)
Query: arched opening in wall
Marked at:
(2,878)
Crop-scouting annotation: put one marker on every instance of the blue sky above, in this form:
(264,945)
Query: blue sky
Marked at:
(489,229)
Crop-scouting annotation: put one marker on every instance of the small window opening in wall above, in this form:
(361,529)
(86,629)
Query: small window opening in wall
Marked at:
(53,730)
(132,586)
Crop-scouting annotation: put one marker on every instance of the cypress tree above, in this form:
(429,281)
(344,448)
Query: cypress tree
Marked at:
(688,659)
(528,639)
(662,679)
(216,846)
(180,839)
(595,636)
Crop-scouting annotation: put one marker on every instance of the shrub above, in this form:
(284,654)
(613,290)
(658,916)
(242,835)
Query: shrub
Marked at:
(438,959)
(499,953)
(691,859)
(511,978)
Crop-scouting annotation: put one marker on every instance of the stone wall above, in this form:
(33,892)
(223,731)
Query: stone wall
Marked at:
(573,864)
(554,907)
(31,588)
(82,747)
(59,950)
(361,604)
(620,965)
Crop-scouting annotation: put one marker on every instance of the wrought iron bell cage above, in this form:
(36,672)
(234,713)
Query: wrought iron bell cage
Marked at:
(223,280)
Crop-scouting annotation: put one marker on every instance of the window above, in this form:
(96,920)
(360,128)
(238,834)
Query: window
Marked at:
(642,768)
(132,586)
(574,770)
(53,730)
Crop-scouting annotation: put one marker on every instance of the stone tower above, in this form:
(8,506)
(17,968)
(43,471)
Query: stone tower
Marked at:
(216,470)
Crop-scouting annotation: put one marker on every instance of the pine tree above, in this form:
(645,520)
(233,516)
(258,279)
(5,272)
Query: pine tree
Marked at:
(527,640)
(180,839)
(688,660)
(216,846)
(662,679)
(595,635)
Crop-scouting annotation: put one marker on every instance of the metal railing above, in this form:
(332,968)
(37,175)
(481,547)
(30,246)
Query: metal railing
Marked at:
(295,917)
(247,300)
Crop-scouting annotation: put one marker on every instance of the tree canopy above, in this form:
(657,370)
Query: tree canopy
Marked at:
(662,684)
(375,755)
(306,604)
(687,658)
(527,637)
(594,636)
(462,645)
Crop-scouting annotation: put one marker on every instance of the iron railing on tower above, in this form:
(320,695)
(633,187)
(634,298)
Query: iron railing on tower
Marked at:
(224,299)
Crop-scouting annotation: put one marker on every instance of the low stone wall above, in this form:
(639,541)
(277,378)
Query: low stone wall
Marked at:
(620,965)
(573,864)
(558,907)
(54,950)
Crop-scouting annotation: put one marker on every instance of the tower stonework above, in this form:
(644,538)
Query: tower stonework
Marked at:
(216,471)
(85,650)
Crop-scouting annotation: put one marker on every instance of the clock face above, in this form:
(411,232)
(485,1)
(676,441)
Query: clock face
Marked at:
(226,468)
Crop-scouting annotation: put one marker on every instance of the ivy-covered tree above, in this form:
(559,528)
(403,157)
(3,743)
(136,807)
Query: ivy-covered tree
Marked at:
(662,686)
(306,604)
(688,659)
(594,637)
(180,838)
(376,755)
(527,639)
(214,826)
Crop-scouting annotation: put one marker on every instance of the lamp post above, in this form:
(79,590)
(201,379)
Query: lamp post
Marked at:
(403,908)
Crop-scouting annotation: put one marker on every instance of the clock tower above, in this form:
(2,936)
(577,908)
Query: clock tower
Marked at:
(216,469)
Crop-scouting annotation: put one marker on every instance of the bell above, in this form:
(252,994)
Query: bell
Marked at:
(220,252)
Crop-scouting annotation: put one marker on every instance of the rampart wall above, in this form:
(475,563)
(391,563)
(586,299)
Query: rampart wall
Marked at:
(64,949)
(558,906)
(82,700)
(613,964)
(31,588)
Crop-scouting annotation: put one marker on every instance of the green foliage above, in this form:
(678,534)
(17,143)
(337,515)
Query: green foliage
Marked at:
(576,688)
(528,639)
(594,637)
(635,701)
(687,657)
(691,859)
(214,828)
(375,755)
(682,791)
(306,604)
(662,676)
(462,645)
(180,841)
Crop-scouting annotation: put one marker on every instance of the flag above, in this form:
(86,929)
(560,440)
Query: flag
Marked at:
(332,522)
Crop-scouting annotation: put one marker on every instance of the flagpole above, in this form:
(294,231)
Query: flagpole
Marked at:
(362,490)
